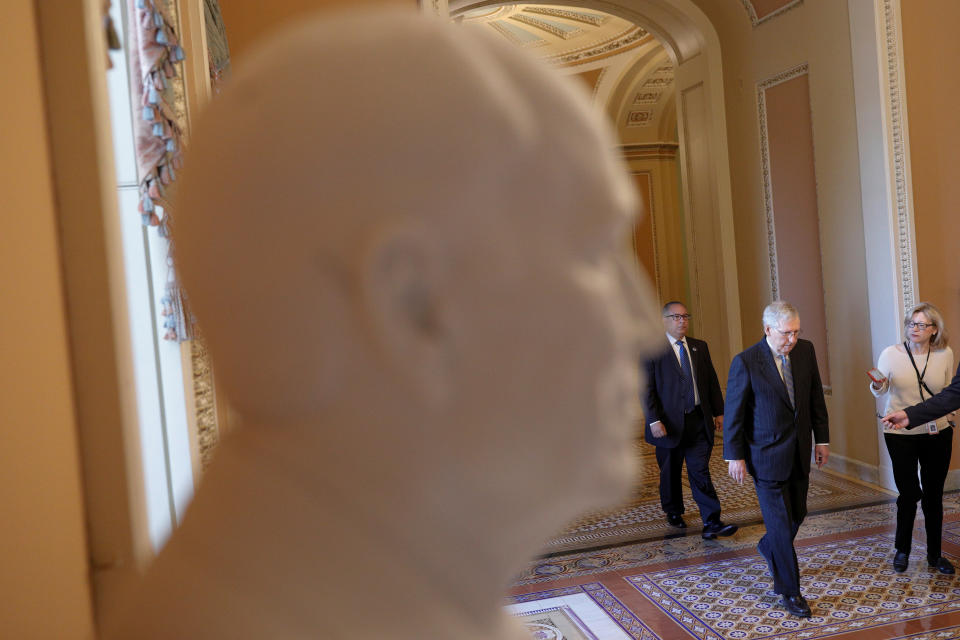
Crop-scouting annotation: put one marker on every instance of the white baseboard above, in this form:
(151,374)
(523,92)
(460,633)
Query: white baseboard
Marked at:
(953,480)
(855,468)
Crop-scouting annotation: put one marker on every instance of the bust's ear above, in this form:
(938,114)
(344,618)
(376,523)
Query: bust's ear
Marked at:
(404,293)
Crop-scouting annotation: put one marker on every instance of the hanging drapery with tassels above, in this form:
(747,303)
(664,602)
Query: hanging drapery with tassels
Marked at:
(154,49)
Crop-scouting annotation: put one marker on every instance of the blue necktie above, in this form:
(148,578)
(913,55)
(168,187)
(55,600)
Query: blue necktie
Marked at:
(788,378)
(689,401)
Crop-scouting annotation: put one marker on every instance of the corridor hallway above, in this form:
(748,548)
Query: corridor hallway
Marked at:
(681,586)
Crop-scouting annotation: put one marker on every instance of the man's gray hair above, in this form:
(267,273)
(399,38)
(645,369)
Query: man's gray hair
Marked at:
(777,311)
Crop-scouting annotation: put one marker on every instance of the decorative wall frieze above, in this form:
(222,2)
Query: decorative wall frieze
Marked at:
(756,20)
(762,87)
(902,197)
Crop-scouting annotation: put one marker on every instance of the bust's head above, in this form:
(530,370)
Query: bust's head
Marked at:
(415,228)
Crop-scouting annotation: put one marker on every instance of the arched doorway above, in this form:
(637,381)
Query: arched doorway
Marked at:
(680,88)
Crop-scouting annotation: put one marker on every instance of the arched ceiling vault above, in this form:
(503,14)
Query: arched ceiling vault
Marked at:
(628,71)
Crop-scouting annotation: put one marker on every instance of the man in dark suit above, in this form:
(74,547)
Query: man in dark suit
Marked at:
(775,411)
(682,402)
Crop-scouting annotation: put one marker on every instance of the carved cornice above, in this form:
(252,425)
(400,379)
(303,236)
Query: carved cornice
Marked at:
(898,132)
(629,39)
(547,26)
(757,21)
(579,16)
(762,87)
(650,150)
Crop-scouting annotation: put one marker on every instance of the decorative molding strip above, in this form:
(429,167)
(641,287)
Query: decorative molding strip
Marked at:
(650,150)
(900,159)
(205,405)
(640,118)
(513,34)
(633,36)
(757,21)
(762,87)
(554,28)
(868,473)
(589,18)
(648,97)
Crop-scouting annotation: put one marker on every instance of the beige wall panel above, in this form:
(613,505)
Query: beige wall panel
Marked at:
(663,220)
(643,232)
(247,20)
(931,51)
(708,301)
(795,216)
(45,590)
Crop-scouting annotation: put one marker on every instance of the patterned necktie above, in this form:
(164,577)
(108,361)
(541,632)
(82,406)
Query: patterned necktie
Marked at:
(689,401)
(788,378)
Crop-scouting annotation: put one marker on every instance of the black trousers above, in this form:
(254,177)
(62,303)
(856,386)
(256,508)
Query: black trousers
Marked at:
(783,504)
(694,448)
(932,453)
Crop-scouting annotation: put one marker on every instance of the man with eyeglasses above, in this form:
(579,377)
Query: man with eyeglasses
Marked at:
(683,405)
(775,411)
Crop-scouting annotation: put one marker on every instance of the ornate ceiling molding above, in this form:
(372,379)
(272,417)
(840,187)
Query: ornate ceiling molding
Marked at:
(633,37)
(757,20)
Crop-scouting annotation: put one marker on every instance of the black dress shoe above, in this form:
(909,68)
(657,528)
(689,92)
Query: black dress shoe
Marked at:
(900,561)
(714,529)
(796,606)
(676,520)
(942,565)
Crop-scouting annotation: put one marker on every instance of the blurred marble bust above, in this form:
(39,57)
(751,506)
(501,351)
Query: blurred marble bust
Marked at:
(403,242)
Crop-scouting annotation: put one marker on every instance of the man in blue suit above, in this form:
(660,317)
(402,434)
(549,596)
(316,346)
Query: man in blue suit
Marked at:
(683,405)
(775,411)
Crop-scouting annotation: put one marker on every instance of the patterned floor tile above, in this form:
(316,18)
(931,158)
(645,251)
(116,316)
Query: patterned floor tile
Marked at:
(615,610)
(642,519)
(849,584)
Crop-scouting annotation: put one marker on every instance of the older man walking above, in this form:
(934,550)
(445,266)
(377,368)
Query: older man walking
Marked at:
(774,412)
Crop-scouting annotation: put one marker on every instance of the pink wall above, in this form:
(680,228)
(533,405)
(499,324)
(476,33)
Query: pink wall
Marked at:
(795,213)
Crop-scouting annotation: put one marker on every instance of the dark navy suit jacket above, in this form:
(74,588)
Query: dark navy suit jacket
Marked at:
(663,397)
(759,425)
(939,405)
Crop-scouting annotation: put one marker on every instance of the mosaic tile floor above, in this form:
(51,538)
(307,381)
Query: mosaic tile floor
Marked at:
(720,590)
(642,519)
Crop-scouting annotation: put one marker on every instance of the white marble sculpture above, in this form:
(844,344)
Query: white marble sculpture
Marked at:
(404,242)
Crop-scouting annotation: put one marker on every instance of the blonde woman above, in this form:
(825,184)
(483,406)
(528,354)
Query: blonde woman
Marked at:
(914,371)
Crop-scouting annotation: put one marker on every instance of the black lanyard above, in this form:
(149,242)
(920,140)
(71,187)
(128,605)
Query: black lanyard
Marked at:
(921,385)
